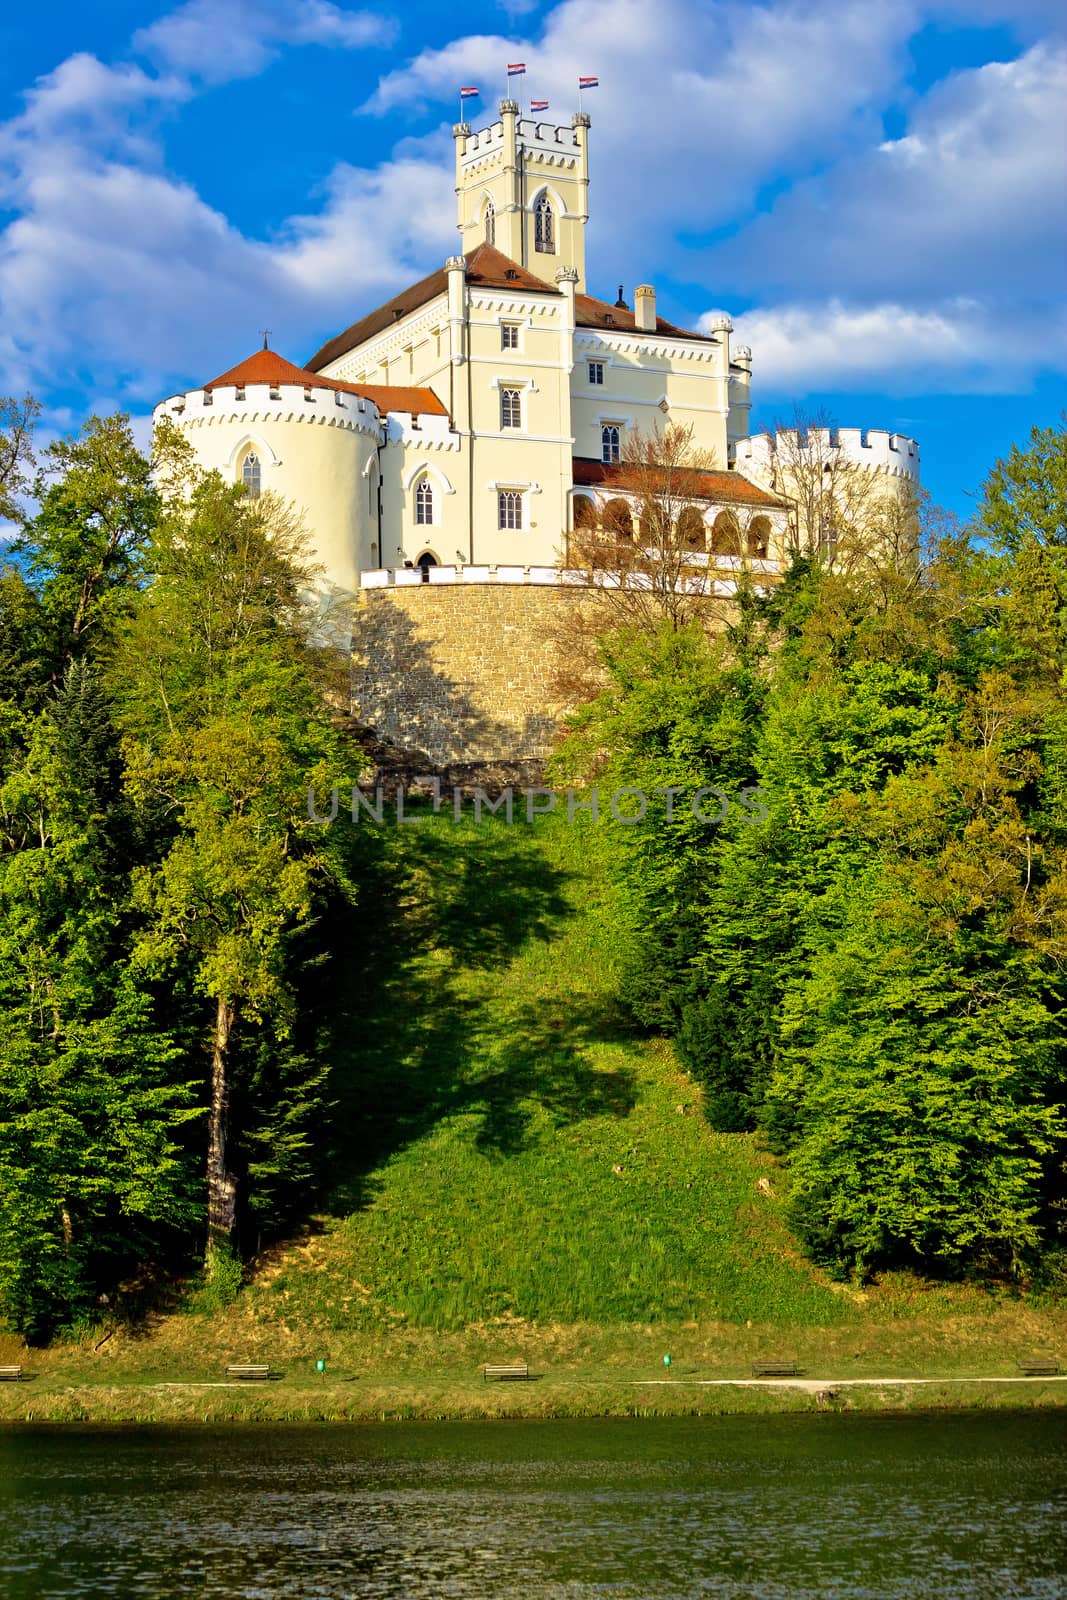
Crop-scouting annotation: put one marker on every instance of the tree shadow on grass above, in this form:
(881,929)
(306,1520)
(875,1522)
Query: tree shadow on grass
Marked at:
(414,1043)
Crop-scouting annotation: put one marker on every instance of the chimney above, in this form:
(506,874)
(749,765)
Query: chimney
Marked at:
(645,308)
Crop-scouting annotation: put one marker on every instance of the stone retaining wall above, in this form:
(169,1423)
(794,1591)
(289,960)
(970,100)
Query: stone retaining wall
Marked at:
(461,672)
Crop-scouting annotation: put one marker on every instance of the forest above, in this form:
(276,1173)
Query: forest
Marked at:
(871,976)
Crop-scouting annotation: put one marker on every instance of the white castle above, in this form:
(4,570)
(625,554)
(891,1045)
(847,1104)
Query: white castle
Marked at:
(465,429)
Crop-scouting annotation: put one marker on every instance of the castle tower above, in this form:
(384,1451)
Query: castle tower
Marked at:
(523,186)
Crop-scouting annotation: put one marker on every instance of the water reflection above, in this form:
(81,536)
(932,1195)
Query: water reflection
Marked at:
(777,1508)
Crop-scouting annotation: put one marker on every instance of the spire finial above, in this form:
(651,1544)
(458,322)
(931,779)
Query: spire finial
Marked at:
(266,332)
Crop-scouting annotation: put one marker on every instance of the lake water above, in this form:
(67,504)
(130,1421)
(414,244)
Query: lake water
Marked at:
(777,1508)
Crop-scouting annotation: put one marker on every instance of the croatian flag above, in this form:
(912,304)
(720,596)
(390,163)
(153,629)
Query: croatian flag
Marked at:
(538,105)
(516,69)
(467,94)
(589,83)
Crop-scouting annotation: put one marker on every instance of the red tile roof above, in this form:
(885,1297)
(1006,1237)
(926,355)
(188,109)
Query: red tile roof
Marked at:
(592,313)
(267,366)
(728,487)
(487,267)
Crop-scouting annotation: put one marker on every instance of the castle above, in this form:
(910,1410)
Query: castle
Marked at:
(481,415)
(458,436)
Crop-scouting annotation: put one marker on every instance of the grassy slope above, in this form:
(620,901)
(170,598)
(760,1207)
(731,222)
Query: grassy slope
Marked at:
(518,1175)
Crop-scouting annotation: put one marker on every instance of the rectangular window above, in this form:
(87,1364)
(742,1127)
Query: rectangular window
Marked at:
(510,408)
(509,336)
(509,502)
(596,372)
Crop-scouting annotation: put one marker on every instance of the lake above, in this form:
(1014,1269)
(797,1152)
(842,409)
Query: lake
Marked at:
(776,1508)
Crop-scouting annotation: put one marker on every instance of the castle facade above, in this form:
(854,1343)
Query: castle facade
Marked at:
(463,431)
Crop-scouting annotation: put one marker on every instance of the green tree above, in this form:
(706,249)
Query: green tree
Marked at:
(93,1171)
(226,729)
(1025,496)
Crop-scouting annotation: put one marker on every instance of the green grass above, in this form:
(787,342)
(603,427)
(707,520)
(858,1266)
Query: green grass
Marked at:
(518,1174)
(533,1158)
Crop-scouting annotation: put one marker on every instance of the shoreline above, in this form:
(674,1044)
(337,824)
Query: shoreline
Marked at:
(278,1401)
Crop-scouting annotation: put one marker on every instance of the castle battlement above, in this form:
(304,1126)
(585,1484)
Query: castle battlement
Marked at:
(873,448)
(265,402)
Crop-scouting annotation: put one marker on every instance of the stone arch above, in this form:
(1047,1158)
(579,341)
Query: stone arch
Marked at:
(420,467)
(616,520)
(692,534)
(759,537)
(424,562)
(585,512)
(256,442)
(725,537)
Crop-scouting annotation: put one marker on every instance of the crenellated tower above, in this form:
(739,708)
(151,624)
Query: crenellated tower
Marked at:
(523,186)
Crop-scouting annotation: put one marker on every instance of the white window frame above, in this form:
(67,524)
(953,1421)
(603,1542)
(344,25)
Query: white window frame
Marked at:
(596,383)
(518,498)
(252,480)
(424,496)
(611,451)
(510,404)
(514,329)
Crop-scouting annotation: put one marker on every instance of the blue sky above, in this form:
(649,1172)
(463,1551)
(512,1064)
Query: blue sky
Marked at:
(874,193)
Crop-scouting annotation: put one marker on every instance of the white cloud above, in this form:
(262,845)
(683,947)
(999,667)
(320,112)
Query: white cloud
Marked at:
(700,101)
(117,272)
(961,346)
(968,202)
(219,40)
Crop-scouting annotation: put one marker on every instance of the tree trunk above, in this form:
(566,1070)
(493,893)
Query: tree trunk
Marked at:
(221,1185)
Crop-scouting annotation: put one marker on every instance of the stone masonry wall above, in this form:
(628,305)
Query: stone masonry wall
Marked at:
(463,674)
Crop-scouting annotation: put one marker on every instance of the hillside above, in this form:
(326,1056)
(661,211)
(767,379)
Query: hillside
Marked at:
(519,1174)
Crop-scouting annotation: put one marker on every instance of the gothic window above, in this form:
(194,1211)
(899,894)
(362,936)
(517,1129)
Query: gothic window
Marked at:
(596,372)
(544,235)
(490,222)
(509,336)
(424,503)
(609,443)
(509,506)
(510,408)
(250,474)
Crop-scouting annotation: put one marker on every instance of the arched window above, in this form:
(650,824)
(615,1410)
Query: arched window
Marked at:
(424,503)
(691,535)
(250,474)
(609,443)
(509,509)
(424,563)
(617,522)
(544,227)
(490,222)
(510,408)
(759,537)
(724,535)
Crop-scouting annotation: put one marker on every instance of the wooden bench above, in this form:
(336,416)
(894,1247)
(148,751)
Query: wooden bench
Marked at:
(1038,1367)
(775,1369)
(518,1371)
(10,1374)
(248,1371)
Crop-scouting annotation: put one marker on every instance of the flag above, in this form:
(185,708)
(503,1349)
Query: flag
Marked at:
(516,69)
(588,83)
(466,94)
(538,105)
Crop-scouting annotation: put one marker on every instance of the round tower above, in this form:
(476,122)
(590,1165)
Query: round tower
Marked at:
(268,424)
